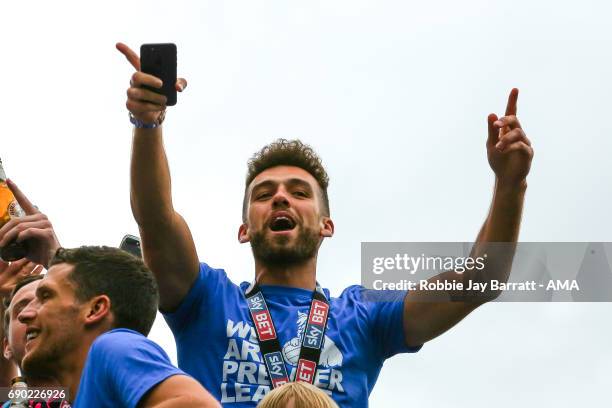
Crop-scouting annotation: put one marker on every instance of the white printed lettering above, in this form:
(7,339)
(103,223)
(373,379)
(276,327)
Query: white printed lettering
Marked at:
(224,396)
(243,392)
(336,380)
(229,367)
(241,328)
(261,392)
(246,372)
(252,350)
(232,350)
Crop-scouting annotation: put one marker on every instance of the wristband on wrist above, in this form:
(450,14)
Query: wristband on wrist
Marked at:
(139,124)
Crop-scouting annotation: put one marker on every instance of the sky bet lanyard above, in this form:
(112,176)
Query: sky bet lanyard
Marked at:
(310,345)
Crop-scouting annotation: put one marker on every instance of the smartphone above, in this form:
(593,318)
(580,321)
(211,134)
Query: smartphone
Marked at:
(159,60)
(131,244)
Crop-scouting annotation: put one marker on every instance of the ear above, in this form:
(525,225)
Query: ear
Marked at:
(243,234)
(7,353)
(327,227)
(98,308)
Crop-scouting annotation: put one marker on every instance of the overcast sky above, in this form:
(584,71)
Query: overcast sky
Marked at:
(394,96)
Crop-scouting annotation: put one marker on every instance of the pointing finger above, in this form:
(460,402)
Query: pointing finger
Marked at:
(130,55)
(512,100)
(23,201)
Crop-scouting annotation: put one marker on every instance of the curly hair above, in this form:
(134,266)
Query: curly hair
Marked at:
(283,152)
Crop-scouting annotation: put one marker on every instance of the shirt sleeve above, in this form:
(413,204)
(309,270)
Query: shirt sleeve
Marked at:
(132,365)
(208,282)
(386,321)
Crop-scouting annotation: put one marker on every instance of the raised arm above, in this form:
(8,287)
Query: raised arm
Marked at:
(167,244)
(510,154)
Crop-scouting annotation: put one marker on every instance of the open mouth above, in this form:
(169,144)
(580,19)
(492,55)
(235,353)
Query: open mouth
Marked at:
(31,334)
(282,223)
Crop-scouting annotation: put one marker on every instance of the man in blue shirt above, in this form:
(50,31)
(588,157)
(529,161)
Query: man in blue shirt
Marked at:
(241,340)
(83,324)
(86,328)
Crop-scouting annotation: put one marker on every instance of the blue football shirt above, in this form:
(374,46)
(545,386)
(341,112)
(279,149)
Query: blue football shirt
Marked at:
(218,346)
(121,367)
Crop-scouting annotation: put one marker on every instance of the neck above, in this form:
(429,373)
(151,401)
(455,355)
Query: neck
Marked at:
(302,275)
(68,372)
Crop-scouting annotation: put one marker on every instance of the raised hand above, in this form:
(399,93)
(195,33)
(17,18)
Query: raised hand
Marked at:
(34,227)
(144,104)
(11,273)
(508,149)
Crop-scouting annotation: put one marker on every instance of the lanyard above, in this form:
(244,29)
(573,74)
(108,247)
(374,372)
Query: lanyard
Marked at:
(311,342)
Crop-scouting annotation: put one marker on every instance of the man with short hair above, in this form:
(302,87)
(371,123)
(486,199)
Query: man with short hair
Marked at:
(14,341)
(84,325)
(242,340)
(86,329)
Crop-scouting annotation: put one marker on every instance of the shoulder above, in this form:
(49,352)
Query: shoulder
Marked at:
(125,353)
(121,342)
(206,268)
(361,294)
(123,364)
(349,306)
(354,294)
(208,273)
(368,303)
(211,278)
(114,338)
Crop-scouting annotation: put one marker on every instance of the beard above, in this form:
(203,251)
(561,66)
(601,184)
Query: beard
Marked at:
(277,251)
(43,360)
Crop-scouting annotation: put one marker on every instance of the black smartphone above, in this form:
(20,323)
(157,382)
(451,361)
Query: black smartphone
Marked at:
(131,244)
(159,60)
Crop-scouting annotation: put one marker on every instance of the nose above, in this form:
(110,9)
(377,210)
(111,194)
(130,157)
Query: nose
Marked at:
(28,313)
(281,198)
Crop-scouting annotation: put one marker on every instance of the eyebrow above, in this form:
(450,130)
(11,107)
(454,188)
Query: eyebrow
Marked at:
(263,184)
(299,182)
(43,288)
(290,182)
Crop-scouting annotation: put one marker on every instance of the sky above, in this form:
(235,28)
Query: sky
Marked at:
(394,96)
